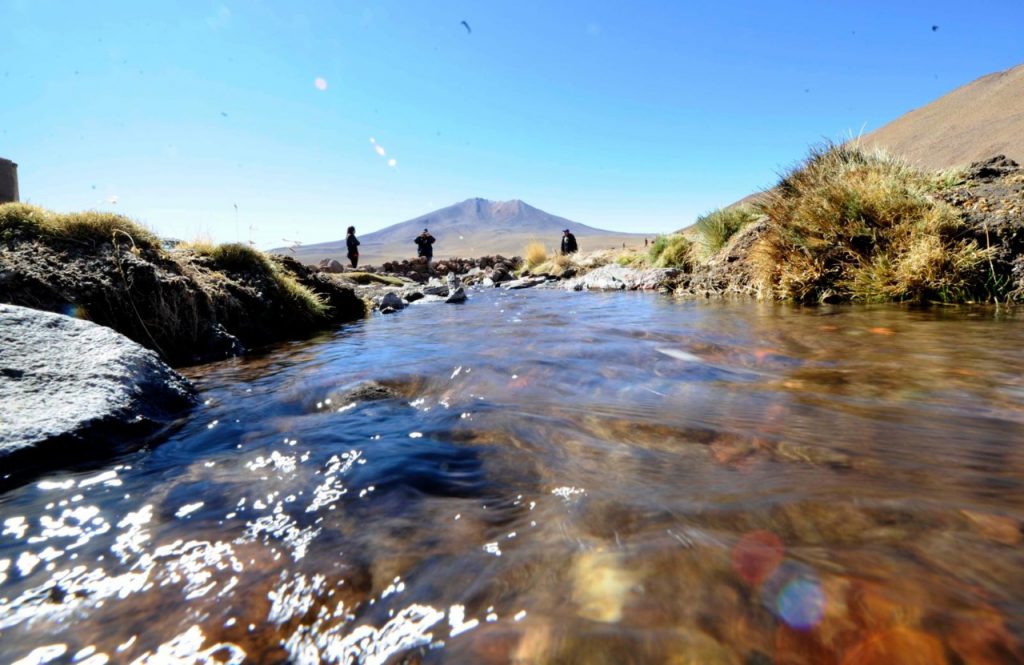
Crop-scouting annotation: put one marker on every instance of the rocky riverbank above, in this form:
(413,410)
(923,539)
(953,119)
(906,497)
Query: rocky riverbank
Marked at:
(191,303)
(984,204)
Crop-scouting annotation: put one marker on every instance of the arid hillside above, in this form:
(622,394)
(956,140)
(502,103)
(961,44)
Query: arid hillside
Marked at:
(974,122)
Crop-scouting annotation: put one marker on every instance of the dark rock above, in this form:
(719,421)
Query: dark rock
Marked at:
(391,301)
(73,391)
(991,202)
(413,296)
(457,295)
(435,290)
(368,392)
(994,167)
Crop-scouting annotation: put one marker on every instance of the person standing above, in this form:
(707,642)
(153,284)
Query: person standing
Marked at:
(352,243)
(425,246)
(569,245)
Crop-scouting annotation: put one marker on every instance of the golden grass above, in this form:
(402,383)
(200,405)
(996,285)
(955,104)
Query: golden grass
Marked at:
(854,225)
(241,258)
(534,255)
(90,227)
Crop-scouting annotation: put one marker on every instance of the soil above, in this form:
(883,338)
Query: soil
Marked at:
(178,303)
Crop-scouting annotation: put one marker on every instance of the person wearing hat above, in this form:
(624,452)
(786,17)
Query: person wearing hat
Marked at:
(569,245)
(425,246)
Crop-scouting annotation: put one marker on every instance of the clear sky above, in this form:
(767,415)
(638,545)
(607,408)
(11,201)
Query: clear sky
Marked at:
(633,116)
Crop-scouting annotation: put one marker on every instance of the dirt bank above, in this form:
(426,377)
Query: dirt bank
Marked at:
(190,304)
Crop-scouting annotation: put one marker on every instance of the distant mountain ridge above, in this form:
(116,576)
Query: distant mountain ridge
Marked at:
(474,227)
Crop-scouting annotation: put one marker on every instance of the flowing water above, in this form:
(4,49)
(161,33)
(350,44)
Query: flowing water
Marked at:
(548,477)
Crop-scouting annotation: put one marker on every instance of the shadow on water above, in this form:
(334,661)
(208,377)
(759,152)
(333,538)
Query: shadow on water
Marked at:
(556,478)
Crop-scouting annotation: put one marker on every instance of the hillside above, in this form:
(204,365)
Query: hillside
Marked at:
(974,122)
(474,227)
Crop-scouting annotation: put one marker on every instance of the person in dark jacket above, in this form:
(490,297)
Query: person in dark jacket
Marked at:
(569,245)
(425,246)
(352,243)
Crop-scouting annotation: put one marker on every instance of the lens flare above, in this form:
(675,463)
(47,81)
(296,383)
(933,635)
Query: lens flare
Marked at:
(320,84)
(392,163)
(74,311)
(756,556)
(801,603)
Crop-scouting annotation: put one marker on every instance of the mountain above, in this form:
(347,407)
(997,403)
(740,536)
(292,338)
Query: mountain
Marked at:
(474,227)
(974,122)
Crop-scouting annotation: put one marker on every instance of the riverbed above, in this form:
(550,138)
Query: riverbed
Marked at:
(552,477)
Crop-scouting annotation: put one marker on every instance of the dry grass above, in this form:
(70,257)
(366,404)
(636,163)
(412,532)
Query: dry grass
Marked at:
(713,230)
(534,255)
(90,227)
(240,258)
(854,225)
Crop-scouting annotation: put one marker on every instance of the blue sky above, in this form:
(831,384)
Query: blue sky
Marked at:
(630,116)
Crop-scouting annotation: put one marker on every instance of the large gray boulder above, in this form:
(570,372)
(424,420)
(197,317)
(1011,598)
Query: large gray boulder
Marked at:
(614,277)
(72,390)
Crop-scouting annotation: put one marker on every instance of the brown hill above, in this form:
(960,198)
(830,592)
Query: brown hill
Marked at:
(472,228)
(974,122)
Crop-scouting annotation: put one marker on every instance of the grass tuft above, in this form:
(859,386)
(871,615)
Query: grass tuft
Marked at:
(671,251)
(714,229)
(535,254)
(856,225)
(21,220)
(241,258)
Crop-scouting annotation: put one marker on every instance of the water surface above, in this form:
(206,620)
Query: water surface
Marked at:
(548,477)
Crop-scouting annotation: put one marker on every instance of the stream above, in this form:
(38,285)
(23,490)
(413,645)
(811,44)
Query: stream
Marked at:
(550,477)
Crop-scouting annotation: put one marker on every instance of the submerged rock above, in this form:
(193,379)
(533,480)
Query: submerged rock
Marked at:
(72,390)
